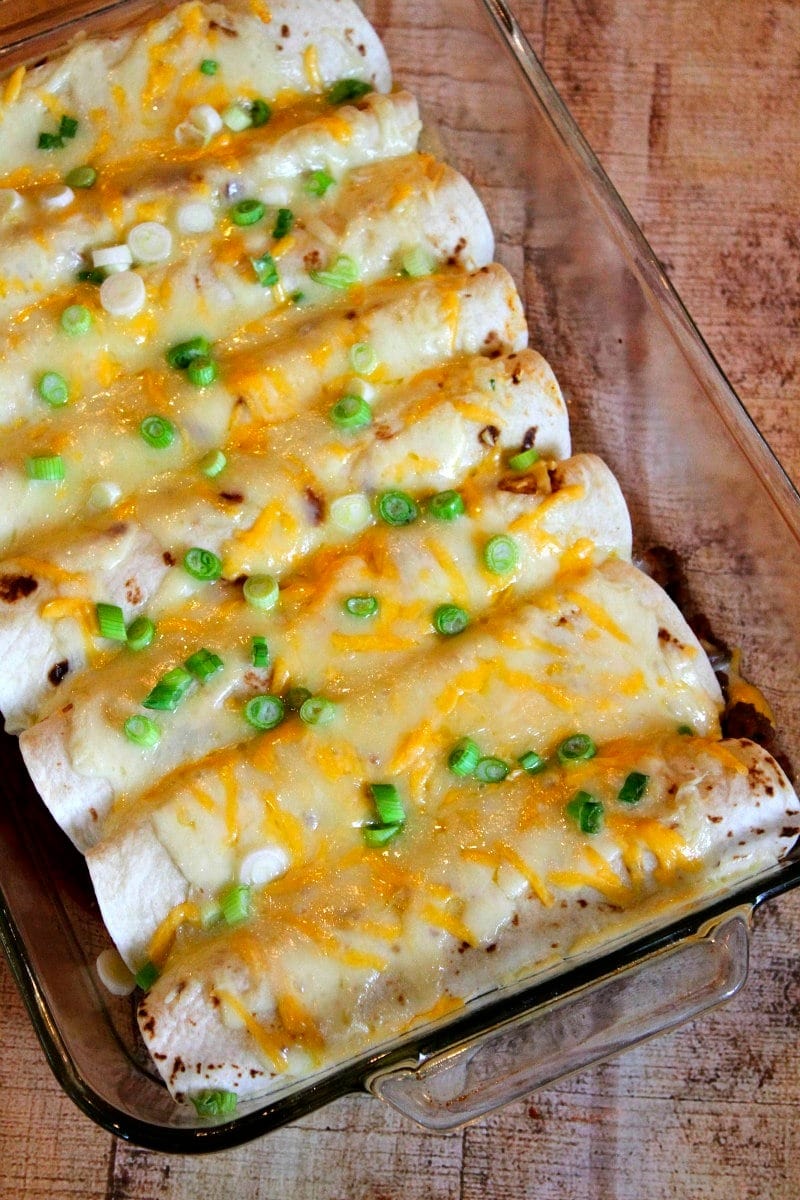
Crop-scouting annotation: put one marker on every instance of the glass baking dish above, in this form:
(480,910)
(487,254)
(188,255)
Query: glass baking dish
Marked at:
(645,393)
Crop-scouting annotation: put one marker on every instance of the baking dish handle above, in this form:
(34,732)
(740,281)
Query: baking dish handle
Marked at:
(584,1027)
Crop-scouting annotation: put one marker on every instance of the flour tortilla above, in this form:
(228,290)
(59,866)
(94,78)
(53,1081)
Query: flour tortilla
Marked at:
(749,817)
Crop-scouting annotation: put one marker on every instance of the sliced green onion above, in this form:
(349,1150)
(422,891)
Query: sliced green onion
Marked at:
(363,358)
(446,506)
(464,757)
(170,690)
(379,835)
(247,212)
(491,770)
(501,554)
(523,460)
(633,788)
(182,353)
(361,606)
(418,261)
(46,468)
(140,634)
(264,711)
(209,66)
(202,564)
(318,183)
(532,762)
(212,463)
(685,731)
(202,371)
(53,389)
(157,431)
(146,976)
(142,731)
(260,113)
(578,747)
(388,804)
(397,508)
(296,697)
(215,1103)
(297,297)
(210,913)
(317,710)
(284,221)
(96,275)
(347,89)
(351,412)
(450,619)
(265,269)
(261,591)
(68,127)
(75,320)
(236,118)
(50,141)
(81,177)
(351,513)
(341,275)
(111,622)
(235,904)
(203,664)
(259,654)
(586,812)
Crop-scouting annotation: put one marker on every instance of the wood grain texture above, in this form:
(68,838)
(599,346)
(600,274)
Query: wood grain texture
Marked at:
(691,106)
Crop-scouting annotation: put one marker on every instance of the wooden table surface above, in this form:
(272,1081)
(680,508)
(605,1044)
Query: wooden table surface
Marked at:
(692,108)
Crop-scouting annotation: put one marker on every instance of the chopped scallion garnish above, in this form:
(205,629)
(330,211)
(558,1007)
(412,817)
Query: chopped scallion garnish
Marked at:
(363,358)
(464,757)
(202,564)
(361,606)
(388,804)
(586,812)
(347,89)
(523,460)
(75,320)
(341,275)
(351,412)
(53,389)
(260,113)
(296,697)
(532,762)
(247,212)
(157,431)
(633,788)
(142,731)
(261,591)
(170,690)
(265,269)
(259,654)
(284,222)
(446,506)
(147,975)
(397,508)
(685,731)
(45,468)
(264,711)
(235,904)
(203,664)
(95,275)
(111,622)
(379,835)
(68,127)
(50,141)
(215,1103)
(140,633)
(202,371)
(317,710)
(212,463)
(209,66)
(318,183)
(578,747)
(501,554)
(491,770)
(81,177)
(418,261)
(180,355)
(450,619)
